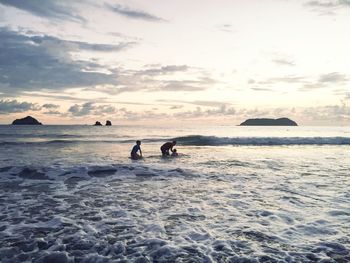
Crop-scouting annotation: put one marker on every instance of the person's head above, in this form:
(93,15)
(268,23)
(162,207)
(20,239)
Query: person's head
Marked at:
(138,142)
(174,142)
(174,150)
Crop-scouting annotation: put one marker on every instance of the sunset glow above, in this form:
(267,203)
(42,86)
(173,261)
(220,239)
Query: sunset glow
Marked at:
(75,62)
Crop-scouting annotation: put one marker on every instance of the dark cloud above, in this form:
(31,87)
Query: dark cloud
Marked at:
(52,9)
(31,63)
(134,13)
(90,108)
(13,106)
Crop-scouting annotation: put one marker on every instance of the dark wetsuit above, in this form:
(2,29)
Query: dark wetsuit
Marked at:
(166,147)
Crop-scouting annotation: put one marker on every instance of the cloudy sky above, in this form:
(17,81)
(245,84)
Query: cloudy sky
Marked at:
(184,61)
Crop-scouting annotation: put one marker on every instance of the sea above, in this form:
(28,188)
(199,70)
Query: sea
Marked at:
(234,194)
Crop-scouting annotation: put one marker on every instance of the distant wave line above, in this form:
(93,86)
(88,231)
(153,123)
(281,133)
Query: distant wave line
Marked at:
(200,140)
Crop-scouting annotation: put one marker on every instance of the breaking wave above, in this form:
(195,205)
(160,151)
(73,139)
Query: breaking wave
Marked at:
(199,140)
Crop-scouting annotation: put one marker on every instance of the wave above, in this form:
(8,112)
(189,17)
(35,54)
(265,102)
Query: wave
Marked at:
(15,135)
(77,173)
(199,140)
(67,141)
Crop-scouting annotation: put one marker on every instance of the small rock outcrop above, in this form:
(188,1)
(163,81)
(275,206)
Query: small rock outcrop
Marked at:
(26,121)
(97,123)
(269,122)
(108,123)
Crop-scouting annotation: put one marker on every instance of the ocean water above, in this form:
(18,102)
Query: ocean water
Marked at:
(235,194)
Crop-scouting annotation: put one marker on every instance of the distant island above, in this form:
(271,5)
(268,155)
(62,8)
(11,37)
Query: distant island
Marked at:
(108,123)
(97,123)
(29,120)
(269,122)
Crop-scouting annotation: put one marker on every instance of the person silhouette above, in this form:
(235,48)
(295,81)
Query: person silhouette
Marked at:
(134,155)
(166,147)
(174,154)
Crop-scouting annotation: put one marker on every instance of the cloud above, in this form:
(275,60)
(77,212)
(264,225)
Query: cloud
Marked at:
(163,70)
(262,89)
(90,108)
(31,63)
(181,85)
(52,112)
(176,107)
(328,7)
(324,80)
(13,106)
(153,79)
(306,82)
(52,9)
(333,77)
(329,3)
(285,79)
(134,13)
(228,28)
(328,113)
(222,110)
(206,103)
(283,62)
(50,106)
(68,45)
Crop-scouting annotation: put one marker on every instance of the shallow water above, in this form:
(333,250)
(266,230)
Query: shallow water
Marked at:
(72,195)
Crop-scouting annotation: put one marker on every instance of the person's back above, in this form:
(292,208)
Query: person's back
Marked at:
(134,155)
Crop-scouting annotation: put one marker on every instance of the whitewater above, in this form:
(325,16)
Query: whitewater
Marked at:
(235,194)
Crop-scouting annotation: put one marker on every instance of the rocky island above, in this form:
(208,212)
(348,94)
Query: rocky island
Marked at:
(29,120)
(97,123)
(108,123)
(269,122)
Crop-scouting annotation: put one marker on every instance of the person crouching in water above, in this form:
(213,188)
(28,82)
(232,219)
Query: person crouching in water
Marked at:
(135,149)
(166,147)
(174,154)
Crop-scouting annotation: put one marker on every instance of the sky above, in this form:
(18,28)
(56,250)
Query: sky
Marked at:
(175,62)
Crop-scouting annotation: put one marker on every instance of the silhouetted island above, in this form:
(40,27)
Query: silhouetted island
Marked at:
(108,123)
(29,120)
(97,123)
(269,122)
